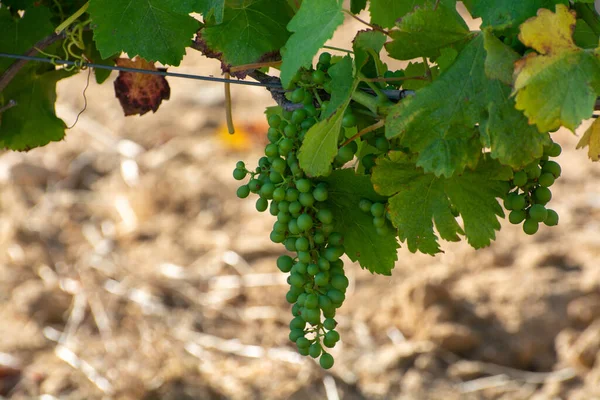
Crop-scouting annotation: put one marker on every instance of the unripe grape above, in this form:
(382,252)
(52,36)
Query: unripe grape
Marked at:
(297,280)
(305,222)
(306,199)
(554,150)
(312,301)
(243,191)
(339,282)
(517,216)
(302,342)
(332,336)
(302,244)
(284,263)
(325,216)
(552,167)
(326,361)
(320,194)
(274,121)
(538,213)
(365,205)
(530,227)
(542,195)
(551,218)
(314,350)
(297,323)
(377,209)
(520,178)
(262,204)
(296,334)
(336,239)
(303,185)
(329,324)
(546,179)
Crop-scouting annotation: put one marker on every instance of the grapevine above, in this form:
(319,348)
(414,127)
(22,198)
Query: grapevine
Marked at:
(362,156)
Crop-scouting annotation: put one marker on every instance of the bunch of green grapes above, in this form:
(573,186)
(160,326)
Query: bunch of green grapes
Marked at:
(379,213)
(305,223)
(531,193)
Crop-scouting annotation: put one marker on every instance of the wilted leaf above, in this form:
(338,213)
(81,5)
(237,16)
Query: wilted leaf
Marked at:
(139,92)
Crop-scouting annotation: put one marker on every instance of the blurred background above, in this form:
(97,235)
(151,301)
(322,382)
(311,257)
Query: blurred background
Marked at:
(130,270)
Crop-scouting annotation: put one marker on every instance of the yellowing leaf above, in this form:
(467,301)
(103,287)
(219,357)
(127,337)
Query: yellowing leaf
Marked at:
(591,138)
(557,86)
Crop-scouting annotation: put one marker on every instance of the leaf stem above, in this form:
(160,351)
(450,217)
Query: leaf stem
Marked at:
(374,27)
(370,128)
(72,18)
(338,49)
(228,110)
(366,100)
(11,103)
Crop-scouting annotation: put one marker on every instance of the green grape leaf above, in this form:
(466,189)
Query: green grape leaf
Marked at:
(157,30)
(92,53)
(419,200)
(385,13)
(250,30)
(376,253)
(367,44)
(591,140)
(557,86)
(211,8)
(426,30)
(439,121)
(21,34)
(500,59)
(343,85)
(312,26)
(446,58)
(418,70)
(502,14)
(33,121)
(357,6)
(319,147)
(584,36)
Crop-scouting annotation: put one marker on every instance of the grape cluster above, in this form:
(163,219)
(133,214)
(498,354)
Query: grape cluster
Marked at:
(305,224)
(531,193)
(379,213)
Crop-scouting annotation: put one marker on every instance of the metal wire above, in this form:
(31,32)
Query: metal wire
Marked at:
(143,71)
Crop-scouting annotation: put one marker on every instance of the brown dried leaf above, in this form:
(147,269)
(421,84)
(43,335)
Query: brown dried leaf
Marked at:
(139,93)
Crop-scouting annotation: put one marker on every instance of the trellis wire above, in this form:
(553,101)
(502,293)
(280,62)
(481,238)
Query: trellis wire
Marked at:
(138,70)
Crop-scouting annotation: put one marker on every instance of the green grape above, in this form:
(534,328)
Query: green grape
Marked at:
(319,237)
(546,179)
(326,361)
(552,167)
(538,213)
(277,237)
(325,216)
(318,77)
(279,165)
(243,191)
(303,351)
(325,58)
(284,263)
(328,342)
(298,95)
(518,202)
(296,334)
(336,296)
(329,324)
(379,222)
(554,150)
(365,205)
(300,268)
(332,336)
(377,209)
(313,269)
(382,144)
(339,282)
(323,264)
(291,195)
(293,227)
(304,257)
(275,177)
(297,280)
(302,342)
(508,202)
(325,303)
(312,315)
(336,239)
(312,301)
(330,254)
(290,131)
(349,120)
(280,227)
(345,154)
(298,116)
(273,135)
(305,222)
(254,185)
(368,161)
(542,195)
(240,165)
(272,150)
(306,199)
(320,194)
(530,227)
(274,121)
(239,174)
(290,244)
(296,310)
(267,190)
(284,206)
(285,146)
(291,297)
(302,244)
(295,207)
(262,204)
(520,178)
(279,194)
(533,171)
(300,302)
(551,218)
(517,216)
(297,323)
(303,185)
(321,279)
(314,350)
(308,123)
